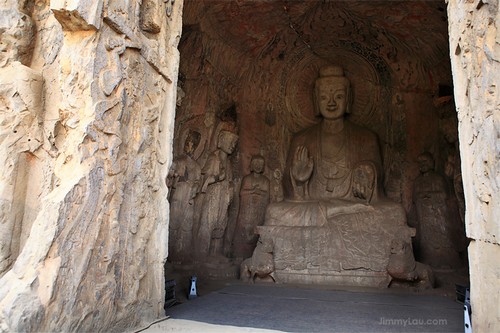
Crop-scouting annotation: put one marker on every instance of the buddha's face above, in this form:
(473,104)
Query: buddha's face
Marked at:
(227,142)
(257,165)
(450,130)
(191,143)
(332,100)
(425,163)
(188,147)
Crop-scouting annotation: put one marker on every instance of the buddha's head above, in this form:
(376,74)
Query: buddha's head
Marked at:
(332,93)
(192,141)
(449,127)
(257,164)
(227,141)
(425,162)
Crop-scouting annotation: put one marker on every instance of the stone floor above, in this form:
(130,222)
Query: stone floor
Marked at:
(238,307)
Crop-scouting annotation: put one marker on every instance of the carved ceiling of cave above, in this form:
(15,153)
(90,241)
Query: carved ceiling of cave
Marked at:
(256,27)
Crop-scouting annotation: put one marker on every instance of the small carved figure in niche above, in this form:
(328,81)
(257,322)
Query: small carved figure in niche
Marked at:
(402,265)
(180,96)
(277,186)
(184,181)
(254,198)
(434,229)
(260,264)
(218,196)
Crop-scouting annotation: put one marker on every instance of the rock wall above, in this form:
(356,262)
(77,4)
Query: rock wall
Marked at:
(475,56)
(87,97)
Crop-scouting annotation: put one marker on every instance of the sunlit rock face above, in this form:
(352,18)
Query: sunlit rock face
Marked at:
(87,100)
(251,66)
(474,52)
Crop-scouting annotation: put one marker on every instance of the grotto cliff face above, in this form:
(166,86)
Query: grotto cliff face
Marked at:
(475,56)
(87,97)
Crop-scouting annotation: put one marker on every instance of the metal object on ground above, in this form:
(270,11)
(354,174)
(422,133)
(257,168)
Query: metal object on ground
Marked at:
(192,289)
(467,313)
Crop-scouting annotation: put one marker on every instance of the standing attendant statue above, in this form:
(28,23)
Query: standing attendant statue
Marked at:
(434,229)
(184,181)
(254,198)
(218,195)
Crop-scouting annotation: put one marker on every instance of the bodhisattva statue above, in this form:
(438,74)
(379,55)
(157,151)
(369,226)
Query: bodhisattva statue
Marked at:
(434,229)
(254,198)
(218,195)
(335,225)
(184,181)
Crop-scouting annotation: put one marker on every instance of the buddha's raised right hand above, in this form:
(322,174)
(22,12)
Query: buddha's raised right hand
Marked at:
(302,165)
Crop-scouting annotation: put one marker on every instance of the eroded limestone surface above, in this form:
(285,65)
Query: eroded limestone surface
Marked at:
(475,54)
(87,97)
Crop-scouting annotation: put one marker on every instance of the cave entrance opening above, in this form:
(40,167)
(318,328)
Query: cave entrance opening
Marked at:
(247,67)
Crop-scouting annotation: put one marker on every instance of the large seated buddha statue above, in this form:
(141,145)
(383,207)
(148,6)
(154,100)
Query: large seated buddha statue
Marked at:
(335,225)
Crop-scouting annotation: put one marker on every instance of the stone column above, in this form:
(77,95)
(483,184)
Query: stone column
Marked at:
(94,241)
(475,58)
